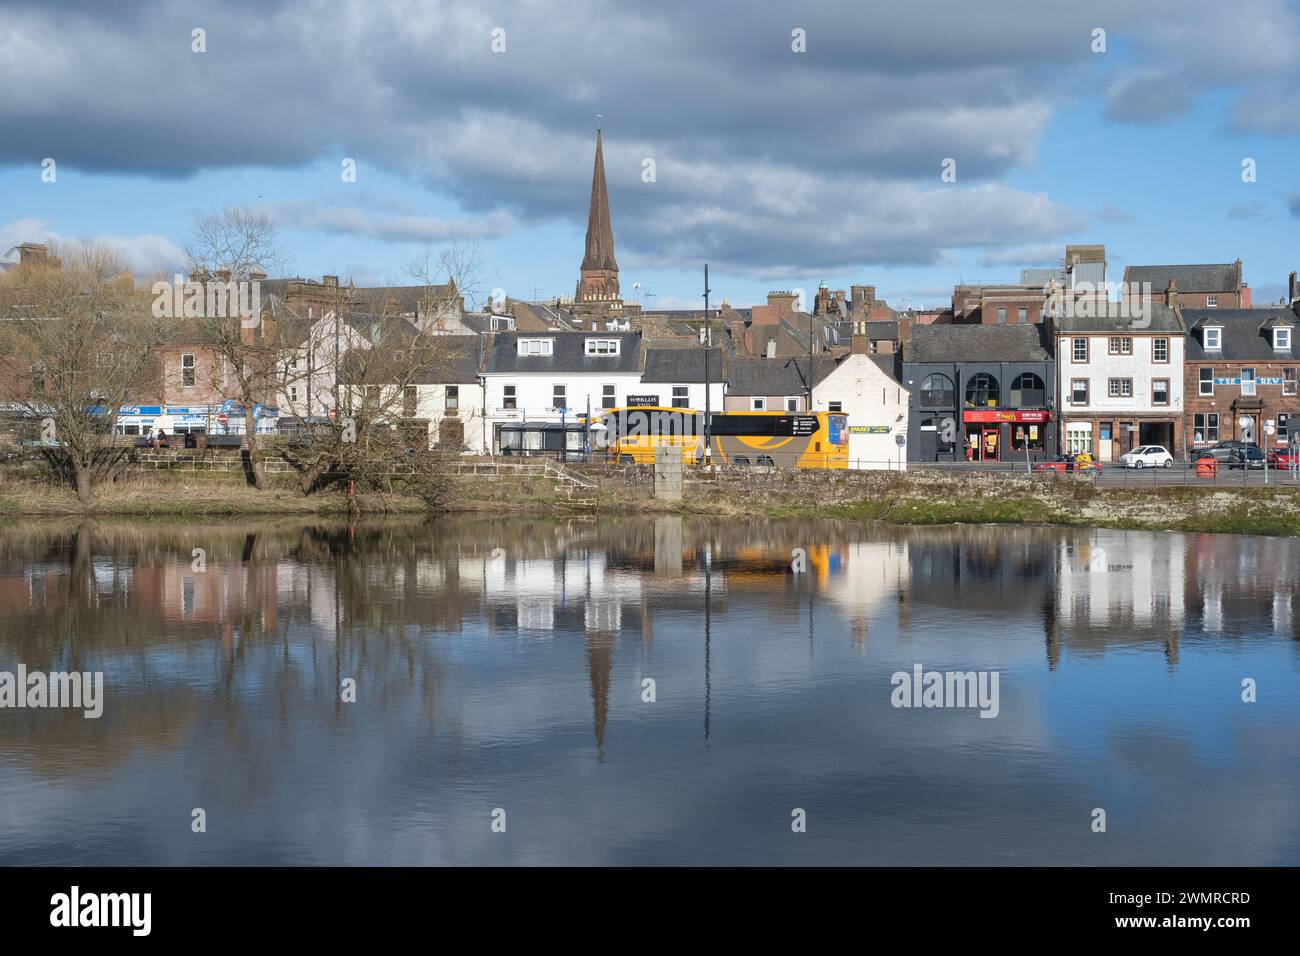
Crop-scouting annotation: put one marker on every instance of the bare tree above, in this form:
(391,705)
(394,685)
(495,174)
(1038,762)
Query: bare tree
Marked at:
(76,344)
(233,246)
(378,365)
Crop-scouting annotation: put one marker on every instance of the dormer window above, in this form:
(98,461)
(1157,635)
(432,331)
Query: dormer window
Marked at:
(1213,338)
(536,347)
(1282,339)
(602,346)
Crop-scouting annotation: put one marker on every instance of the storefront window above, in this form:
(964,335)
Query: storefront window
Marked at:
(1027,391)
(937,392)
(1078,438)
(982,391)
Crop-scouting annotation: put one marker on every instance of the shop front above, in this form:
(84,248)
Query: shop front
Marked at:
(1008,434)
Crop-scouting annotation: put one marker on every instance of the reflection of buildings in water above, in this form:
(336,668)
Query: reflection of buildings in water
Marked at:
(1243,583)
(600,667)
(1129,580)
(871,573)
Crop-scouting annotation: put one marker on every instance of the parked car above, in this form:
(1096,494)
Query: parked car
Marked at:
(1065,464)
(1224,450)
(1251,456)
(1282,459)
(1147,456)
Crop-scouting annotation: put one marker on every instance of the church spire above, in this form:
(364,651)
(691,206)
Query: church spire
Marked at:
(599,275)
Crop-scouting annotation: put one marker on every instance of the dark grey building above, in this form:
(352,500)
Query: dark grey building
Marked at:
(979,392)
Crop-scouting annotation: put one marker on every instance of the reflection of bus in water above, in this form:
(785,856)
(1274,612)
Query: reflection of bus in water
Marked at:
(738,439)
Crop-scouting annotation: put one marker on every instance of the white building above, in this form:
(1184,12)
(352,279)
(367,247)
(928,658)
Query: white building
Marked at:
(1120,380)
(554,377)
(865,389)
(674,378)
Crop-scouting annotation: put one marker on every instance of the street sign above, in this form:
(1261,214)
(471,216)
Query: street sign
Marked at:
(222,419)
(900,439)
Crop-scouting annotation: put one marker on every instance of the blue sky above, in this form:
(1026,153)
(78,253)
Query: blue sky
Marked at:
(779,168)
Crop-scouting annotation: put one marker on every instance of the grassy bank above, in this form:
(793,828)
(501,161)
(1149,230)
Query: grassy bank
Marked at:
(163,495)
(919,498)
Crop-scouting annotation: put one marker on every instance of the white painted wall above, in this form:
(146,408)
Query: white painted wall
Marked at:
(431,403)
(867,396)
(1102,366)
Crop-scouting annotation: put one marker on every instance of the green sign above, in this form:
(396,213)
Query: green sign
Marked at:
(871,429)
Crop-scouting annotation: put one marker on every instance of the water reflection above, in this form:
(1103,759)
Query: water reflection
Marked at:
(500,663)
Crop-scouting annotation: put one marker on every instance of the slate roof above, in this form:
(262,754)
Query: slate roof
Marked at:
(1243,336)
(977,343)
(1215,277)
(683,366)
(454,359)
(776,376)
(1112,319)
(569,355)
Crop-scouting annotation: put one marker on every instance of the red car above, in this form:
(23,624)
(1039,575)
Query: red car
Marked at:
(1065,464)
(1281,459)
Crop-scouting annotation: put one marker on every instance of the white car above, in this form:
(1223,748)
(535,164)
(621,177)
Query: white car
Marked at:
(1148,456)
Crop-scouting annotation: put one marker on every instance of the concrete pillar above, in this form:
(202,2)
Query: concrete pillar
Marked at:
(668,472)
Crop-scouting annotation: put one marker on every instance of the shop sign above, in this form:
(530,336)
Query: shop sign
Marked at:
(1007,416)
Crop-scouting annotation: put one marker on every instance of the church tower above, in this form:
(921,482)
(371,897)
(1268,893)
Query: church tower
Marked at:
(598,280)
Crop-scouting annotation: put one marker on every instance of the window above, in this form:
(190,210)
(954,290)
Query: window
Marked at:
(1027,391)
(1002,316)
(792,403)
(835,406)
(293,393)
(1214,338)
(1289,381)
(1078,438)
(1211,301)
(982,390)
(536,346)
(1120,345)
(1120,387)
(937,392)
(1206,380)
(602,346)
(1160,391)
(608,398)
(1160,350)
(1248,381)
(559,396)
(1205,427)
(1282,340)
(410,400)
(1079,391)
(508,397)
(758,404)
(187,370)
(453,399)
(681,396)
(1079,350)
(1022,315)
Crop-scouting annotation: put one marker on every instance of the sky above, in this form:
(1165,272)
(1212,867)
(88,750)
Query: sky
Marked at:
(789,143)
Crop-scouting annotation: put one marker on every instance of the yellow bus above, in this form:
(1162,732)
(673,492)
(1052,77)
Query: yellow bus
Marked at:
(739,439)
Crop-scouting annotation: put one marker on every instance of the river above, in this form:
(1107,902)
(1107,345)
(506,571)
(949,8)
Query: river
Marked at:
(649,691)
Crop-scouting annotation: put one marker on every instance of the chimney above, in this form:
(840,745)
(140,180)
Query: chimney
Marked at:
(257,275)
(784,302)
(1292,290)
(331,282)
(1171,294)
(38,253)
(859,345)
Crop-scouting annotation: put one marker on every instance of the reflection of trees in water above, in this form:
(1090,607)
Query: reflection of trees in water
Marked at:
(285,611)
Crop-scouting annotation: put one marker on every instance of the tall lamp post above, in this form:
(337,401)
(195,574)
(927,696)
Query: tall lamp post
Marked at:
(708,354)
